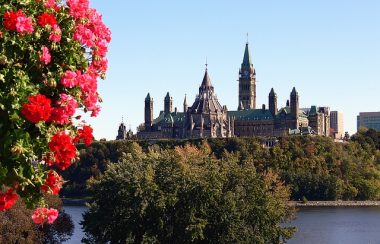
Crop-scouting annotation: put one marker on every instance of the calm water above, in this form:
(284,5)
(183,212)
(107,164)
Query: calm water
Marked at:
(315,225)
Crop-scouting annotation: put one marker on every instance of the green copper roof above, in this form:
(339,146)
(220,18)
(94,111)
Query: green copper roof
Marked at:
(313,110)
(251,114)
(178,117)
(247,62)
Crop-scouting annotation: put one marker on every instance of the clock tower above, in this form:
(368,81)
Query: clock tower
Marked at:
(247,82)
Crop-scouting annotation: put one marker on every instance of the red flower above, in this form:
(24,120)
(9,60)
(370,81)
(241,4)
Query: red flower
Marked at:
(85,134)
(53,183)
(47,19)
(63,150)
(10,19)
(40,215)
(7,200)
(37,109)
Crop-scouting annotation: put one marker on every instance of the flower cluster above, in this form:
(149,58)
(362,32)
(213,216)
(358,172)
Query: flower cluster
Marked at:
(59,50)
(7,199)
(38,108)
(42,215)
(85,135)
(63,149)
(53,183)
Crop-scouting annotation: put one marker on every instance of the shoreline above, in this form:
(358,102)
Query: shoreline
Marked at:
(335,203)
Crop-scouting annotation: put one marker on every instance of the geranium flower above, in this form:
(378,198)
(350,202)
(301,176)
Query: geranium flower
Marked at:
(7,199)
(45,55)
(37,109)
(41,215)
(63,150)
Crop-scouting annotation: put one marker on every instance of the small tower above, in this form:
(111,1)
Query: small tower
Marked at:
(247,82)
(272,102)
(148,112)
(185,104)
(294,107)
(294,103)
(168,104)
(122,131)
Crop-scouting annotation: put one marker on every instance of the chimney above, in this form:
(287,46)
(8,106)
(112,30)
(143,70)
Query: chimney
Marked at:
(175,110)
(263,107)
(287,103)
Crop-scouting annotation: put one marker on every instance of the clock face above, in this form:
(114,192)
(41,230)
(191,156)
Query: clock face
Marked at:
(246,74)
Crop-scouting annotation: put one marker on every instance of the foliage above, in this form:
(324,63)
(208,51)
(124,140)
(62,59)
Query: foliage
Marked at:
(51,54)
(186,195)
(313,167)
(16,226)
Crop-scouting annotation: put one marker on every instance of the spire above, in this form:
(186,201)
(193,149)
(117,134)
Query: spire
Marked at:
(206,79)
(272,92)
(185,104)
(247,62)
(167,96)
(294,92)
(147,97)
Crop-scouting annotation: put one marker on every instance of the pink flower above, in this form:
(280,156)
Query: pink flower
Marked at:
(24,24)
(84,35)
(50,4)
(40,215)
(87,83)
(52,215)
(65,108)
(69,79)
(95,111)
(45,55)
(78,8)
(100,64)
(55,35)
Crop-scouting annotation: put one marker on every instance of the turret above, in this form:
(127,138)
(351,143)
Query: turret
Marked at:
(148,112)
(294,103)
(272,102)
(185,104)
(168,104)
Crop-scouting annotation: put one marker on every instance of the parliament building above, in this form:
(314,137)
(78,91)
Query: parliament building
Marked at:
(206,117)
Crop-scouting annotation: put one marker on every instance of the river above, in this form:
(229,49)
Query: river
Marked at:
(321,225)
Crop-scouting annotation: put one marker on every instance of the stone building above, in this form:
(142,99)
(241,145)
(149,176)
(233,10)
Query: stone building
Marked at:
(205,118)
(208,118)
(123,134)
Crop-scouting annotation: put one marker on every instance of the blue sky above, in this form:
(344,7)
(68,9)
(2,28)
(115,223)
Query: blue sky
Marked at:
(328,50)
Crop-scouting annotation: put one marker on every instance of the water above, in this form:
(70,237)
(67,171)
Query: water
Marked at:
(325,225)
(76,215)
(321,225)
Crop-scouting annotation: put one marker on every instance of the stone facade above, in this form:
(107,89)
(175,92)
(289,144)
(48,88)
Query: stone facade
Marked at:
(207,118)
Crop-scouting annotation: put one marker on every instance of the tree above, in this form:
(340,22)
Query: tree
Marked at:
(186,195)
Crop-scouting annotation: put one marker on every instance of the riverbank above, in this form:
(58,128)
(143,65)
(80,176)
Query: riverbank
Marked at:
(335,203)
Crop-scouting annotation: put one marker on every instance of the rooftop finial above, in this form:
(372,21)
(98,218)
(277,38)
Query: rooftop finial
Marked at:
(122,119)
(206,63)
(247,37)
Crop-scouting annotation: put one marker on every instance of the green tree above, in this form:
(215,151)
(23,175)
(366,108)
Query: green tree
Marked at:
(186,195)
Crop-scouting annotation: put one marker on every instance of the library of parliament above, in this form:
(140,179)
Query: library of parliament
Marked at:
(206,117)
